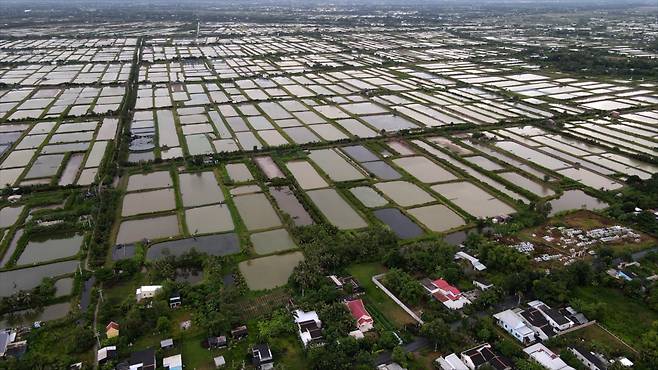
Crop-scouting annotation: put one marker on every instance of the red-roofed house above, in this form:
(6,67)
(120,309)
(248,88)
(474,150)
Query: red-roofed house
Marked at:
(364,321)
(445,293)
(112,330)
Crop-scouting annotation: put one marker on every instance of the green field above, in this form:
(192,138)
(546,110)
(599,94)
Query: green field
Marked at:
(627,318)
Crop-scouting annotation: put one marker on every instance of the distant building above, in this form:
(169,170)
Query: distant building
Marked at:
(147,291)
(364,321)
(309,326)
(175,300)
(445,293)
(106,354)
(112,330)
(239,332)
(546,358)
(450,362)
(142,360)
(477,265)
(475,357)
(514,324)
(555,318)
(591,360)
(262,357)
(173,362)
(6,338)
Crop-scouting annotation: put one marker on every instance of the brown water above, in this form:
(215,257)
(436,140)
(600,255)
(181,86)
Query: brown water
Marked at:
(437,218)
(209,219)
(272,241)
(148,202)
(199,188)
(337,211)
(256,211)
(71,170)
(288,203)
(269,272)
(404,193)
(150,228)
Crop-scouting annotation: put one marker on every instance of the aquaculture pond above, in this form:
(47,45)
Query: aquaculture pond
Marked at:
(214,245)
(271,271)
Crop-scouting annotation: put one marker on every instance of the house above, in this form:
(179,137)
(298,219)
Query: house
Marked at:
(173,362)
(364,321)
(239,332)
(477,265)
(591,360)
(450,362)
(546,358)
(538,323)
(483,354)
(6,338)
(106,354)
(573,315)
(482,284)
(219,362)
(147,291)
(445,293)
(347,282)
(112,330)
(514,324)
(175,300)
(309,326)
(356,334)
(262,357)
(142,360)
(556,319)
(217,342)
(167,343)
(391,366)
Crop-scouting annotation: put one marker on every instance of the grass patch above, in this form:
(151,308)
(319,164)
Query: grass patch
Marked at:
(363,273)
(599,338)
(625,317)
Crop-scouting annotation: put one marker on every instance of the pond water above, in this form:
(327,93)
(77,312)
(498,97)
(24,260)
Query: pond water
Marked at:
(42,250)
(153,180)
(214,245)
(269,168)
(539,189)
(381,170)
(45,166)
(368,196)
(437,218)
(214,218)
(337,211)
(271,271)
(148,202)
(238,172)
(63,287)
(575,199)
(9,216)
(148,228)
(307,177)
(71,170)
(401,225)
(404,193)
(199,188)
(360,153)
(122,251)
(288,203)
(272,241)
(424,170)
(48,313)
(256,211)
(29,278)
(334,165)
(473,199)
(484,163)
(12,247)
(388,122)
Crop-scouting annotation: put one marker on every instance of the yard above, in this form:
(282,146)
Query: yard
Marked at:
(599,338)
(627,318)
(381,302)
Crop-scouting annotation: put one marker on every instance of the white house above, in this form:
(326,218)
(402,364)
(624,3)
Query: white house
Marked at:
(450,362)
(546,358)
(477,265)
(514,324)
(147,291)
(591,360)
(556,319)
(173,362)
(309,326)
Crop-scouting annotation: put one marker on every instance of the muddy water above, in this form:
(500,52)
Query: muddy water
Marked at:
(269,272)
